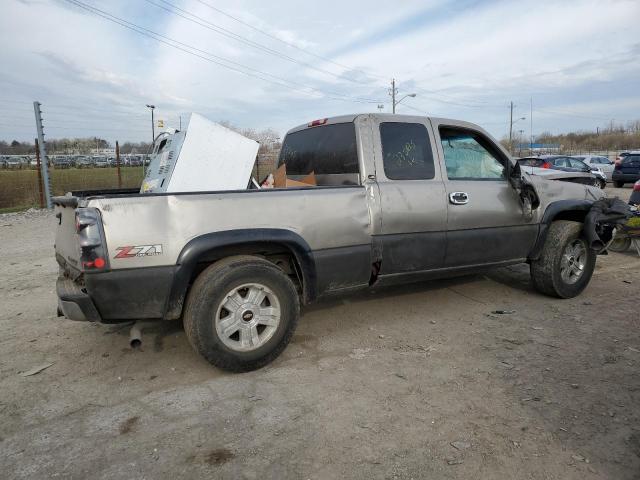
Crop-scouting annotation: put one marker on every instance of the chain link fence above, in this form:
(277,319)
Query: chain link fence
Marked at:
(21,185)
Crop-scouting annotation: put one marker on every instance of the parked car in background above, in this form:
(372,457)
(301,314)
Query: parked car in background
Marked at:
(549,166)
(13,162)
(135,161)
(571,164)
(100,161)
(84,162)
(627,170)
(60,161)
(597,162)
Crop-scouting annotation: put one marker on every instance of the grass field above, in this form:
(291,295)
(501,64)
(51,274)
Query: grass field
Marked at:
(19,188)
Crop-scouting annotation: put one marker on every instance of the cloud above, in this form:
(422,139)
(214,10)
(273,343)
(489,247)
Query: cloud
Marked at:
(465,59)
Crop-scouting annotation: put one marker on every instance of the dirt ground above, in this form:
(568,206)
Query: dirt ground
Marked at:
(419,382)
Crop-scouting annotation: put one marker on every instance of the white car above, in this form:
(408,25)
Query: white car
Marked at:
(597,162)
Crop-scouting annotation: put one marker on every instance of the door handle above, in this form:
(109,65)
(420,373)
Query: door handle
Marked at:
(458,198)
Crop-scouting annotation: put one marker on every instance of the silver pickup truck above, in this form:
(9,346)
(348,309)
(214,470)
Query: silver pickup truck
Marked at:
(398,199)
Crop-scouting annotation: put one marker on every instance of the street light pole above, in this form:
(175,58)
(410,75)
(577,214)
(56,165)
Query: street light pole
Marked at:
(393,92)
(153,136)
(153,128)
(512,122)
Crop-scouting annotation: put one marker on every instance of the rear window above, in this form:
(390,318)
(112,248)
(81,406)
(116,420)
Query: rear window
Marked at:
(631,160)
(406,151)
(330,149)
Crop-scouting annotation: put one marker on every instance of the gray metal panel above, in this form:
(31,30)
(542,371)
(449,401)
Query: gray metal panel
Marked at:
(325,217)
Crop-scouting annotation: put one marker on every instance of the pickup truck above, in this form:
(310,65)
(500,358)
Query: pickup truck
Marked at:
(398,199)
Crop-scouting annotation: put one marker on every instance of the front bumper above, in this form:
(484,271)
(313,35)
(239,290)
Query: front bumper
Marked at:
(74,303)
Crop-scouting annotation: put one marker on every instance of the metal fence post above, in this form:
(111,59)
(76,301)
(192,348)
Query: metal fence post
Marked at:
(43,154)
(118,164)
(40,190)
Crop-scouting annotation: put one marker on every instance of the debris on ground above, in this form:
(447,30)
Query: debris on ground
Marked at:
(503,312)
(35,370)
(460,445)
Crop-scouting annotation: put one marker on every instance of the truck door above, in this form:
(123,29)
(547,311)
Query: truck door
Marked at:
(485,222)
(411,235)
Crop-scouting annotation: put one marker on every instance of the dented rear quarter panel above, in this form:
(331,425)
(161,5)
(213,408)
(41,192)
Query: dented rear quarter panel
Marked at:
(325,217)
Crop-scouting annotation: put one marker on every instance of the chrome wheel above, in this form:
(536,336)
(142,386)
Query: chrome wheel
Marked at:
(573,261)
(247,317)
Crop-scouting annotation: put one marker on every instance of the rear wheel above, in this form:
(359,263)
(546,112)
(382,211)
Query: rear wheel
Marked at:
(241,313)
(603,184)
(566,263)
(618,184)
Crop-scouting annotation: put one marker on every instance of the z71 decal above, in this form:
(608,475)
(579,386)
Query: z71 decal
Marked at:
(133,251)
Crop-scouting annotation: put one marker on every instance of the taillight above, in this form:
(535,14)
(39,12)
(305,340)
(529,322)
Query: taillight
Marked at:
(93,254)
(317,123)
(636,186)
(546,165)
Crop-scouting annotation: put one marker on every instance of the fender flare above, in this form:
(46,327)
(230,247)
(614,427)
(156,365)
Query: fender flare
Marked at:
(200,245)
(550,213)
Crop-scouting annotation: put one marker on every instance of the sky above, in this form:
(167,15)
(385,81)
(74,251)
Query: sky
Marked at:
(279,64)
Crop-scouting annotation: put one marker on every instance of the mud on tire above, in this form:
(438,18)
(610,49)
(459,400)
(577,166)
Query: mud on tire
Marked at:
(563,239)
(210,292)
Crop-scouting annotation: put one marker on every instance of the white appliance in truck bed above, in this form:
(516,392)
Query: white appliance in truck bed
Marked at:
(204,157)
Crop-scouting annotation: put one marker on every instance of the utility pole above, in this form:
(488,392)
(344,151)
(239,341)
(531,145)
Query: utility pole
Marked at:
(43,153)
(393,93)
(531,125)
(180,122)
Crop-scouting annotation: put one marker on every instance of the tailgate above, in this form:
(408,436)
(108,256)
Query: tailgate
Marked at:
(67,247)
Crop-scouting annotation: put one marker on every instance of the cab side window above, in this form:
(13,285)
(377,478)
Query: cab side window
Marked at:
(406,151)
(468,156)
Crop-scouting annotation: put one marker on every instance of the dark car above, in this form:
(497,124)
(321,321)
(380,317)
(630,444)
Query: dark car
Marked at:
(626,170)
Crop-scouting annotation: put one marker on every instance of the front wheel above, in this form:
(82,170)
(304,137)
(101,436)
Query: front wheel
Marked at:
(603,184)
(566,263)
(241,313)
(618,184)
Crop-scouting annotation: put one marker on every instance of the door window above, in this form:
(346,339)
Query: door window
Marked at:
(406,151)
(469,156)
(578,165)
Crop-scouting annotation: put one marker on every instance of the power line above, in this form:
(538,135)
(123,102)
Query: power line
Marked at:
(191,50)
(229,34)
(292,45)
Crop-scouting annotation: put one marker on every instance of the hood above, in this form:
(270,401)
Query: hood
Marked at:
(550,190)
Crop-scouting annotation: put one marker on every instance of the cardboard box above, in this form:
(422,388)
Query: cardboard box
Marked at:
(280,179)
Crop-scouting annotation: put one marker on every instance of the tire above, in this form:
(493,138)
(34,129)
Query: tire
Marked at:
(561,249)
(603,184)
(222,284)
(620,245)
(618,184)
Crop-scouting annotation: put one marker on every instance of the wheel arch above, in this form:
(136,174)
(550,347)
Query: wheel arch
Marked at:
(206,249)
(575,210)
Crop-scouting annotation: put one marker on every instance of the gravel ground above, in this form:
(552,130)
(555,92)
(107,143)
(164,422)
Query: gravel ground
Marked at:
(412,382)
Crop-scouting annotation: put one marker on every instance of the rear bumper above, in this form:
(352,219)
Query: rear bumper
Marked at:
(75,303)
(116,296)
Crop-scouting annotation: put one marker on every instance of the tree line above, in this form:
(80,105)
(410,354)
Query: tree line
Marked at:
(268,138)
